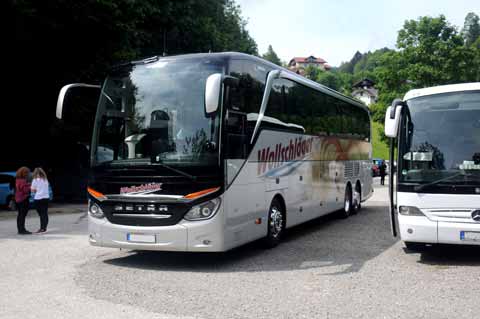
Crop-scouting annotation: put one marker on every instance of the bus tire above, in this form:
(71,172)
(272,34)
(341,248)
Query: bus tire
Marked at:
(357,199)
(347,203)
(275,224)
(415,247)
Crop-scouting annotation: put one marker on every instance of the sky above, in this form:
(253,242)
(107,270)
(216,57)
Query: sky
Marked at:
(334,30)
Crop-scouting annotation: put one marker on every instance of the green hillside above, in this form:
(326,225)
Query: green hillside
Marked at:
(380,149)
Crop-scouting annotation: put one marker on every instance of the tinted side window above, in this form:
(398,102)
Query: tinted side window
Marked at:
(243,104)
(247,97)
(301,109)
(275,115)
(300,102)
(288,108)
(321,120)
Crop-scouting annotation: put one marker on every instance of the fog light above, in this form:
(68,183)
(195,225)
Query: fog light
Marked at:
(410,231)
(410,211)
(206,242)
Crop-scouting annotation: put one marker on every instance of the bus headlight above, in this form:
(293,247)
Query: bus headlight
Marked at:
(410,211)
(204,210)
(94,210)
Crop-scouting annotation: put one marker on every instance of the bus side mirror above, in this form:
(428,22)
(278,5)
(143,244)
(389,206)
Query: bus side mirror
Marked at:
(392,118)
(63,93)
(213,89)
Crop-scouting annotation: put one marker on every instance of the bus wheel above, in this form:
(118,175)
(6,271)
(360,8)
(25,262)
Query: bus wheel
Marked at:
(415,247)
(347,203)
(276,224)
(357,199)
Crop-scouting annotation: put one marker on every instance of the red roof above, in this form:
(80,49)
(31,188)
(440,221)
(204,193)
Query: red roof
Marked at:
(304,59)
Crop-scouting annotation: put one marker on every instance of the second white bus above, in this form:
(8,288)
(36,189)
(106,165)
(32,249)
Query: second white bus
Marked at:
(436,190)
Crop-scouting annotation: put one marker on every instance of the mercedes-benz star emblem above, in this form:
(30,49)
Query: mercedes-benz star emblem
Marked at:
(476,215)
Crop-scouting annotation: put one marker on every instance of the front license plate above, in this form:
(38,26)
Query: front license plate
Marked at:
(470,235)
(141,238)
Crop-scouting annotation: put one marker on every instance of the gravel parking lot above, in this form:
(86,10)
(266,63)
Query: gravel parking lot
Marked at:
(328,268)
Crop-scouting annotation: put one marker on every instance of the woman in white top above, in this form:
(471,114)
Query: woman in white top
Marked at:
(41,197)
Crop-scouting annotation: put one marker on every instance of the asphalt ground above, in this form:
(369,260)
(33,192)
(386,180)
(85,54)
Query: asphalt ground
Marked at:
(327,268)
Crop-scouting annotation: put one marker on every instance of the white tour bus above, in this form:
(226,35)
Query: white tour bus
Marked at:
(206,152)
(435,134)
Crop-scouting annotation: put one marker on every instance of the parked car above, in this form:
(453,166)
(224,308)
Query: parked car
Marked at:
(7,187)
(375,167)
(7,191)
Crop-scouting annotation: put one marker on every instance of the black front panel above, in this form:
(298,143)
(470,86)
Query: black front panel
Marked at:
(139,196)
(111,181)
(441,189)
(144,213)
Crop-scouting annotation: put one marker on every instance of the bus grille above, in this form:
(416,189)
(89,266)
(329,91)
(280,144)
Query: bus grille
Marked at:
(144,214)
(450,215)
(348,170)
(356,169)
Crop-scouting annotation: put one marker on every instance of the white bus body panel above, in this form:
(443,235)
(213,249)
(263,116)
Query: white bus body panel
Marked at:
(446,215)
(310,184)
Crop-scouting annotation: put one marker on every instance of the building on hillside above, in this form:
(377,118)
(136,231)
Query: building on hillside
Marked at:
(364,91)
(299,64)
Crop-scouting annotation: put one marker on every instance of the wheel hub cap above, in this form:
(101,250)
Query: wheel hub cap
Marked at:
(276,222)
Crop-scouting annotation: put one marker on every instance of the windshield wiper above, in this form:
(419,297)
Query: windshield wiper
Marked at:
(193,178)
(136,164)
(423,186)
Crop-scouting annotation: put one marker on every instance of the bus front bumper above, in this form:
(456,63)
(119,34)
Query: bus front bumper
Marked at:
(199,236)
(423,230)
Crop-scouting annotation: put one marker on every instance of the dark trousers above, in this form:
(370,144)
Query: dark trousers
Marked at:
(382,179)
(22,208)
(42,208)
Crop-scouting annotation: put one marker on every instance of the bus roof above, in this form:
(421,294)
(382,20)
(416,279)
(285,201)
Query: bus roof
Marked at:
(475,86)
(228,55)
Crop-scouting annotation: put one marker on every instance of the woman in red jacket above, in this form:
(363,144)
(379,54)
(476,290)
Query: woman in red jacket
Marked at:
(22,194)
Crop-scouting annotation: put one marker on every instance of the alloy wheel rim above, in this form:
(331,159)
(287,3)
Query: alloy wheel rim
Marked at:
(356,198)
(276,222)
(347,202)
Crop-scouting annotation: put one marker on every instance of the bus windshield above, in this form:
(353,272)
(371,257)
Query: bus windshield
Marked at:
(154,113)
(440,139)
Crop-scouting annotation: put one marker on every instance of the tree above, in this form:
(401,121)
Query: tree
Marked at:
(432,52)
(271,56)
(312,72)
(65,41)
(349,66)
(471,28)
(432,49)
(329,79)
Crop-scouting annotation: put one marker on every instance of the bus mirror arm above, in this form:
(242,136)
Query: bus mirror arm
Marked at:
(395,104)
(63,93)
(272,75)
